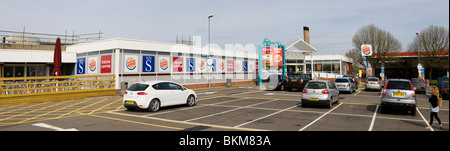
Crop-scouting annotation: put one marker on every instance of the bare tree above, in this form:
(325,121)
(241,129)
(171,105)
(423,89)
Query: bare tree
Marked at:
(431,43)
(382,43)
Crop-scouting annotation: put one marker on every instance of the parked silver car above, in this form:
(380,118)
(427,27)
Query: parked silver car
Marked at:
(320,92)
(419,85)
(373,83)
(399,93)
(345,84)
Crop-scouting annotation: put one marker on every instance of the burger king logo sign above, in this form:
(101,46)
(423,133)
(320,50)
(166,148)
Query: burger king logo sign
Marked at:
(164,64)
(93,65)
(131,63)
(366,50)
(277,59)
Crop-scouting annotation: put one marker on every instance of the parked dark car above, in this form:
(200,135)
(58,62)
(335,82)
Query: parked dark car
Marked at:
(354,79)
(419,85)
(443,90)
(297,81)
(276,82)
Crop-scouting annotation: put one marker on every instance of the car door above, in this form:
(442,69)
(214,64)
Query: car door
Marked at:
(334,90)
(178,95)
(162,93)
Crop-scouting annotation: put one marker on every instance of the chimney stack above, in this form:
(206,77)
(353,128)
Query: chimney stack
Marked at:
(306,34)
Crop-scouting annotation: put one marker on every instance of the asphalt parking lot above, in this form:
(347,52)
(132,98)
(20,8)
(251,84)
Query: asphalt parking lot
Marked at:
(239,108)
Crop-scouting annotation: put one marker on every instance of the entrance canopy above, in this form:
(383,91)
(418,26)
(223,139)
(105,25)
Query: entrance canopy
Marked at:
(300,45)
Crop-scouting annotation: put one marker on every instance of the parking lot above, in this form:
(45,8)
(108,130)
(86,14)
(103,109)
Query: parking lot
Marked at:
(239,108)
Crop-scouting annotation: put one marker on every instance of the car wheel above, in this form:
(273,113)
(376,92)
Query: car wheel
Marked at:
(154,105)
(331,103)
(413,111)
(190,100)
(282,87)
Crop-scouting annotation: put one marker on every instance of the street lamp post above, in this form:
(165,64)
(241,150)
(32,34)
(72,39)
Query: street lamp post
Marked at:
(209,47)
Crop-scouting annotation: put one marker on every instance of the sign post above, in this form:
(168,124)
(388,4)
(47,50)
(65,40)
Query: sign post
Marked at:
(366,51)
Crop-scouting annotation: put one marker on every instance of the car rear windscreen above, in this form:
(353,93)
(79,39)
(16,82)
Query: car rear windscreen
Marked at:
(341,80)
(373,79)
(402,85)
(316,85)
(138,87)
(295,76)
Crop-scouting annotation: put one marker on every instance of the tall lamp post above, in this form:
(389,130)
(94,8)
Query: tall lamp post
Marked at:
(419,66)
(209,46)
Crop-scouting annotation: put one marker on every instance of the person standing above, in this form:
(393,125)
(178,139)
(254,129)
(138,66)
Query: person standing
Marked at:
(434,108)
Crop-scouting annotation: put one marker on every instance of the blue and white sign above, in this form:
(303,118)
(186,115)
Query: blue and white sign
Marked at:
(213,65)
(81,65)
(190,66)
(244,66)
(148,63)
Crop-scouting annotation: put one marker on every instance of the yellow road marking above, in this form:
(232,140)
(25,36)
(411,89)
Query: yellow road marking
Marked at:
(117,119)
(33,110)
(104,106)
(181,122)
(53,111)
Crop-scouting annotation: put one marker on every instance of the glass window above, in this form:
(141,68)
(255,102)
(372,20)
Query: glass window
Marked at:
(306,77)
(342,80)
(174,86)
(132,51)
(403,85)
(32,71)
(318,66)
(8,72)
(138,87)
(160,86)
(316,85)
(40,70)
(106,51)
(149,52)
(19,71)
(92,53)
(326,67)
(164,53)
(335,67)
(308,67)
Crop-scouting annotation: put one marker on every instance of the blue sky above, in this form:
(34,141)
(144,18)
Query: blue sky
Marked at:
(332,23)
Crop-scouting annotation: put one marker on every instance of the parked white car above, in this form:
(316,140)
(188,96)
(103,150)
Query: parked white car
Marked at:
(152,95)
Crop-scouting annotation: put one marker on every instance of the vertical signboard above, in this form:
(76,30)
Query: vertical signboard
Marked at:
(92,61)
(221,65)
(105,64)
(81,65)
(230,65)
(164,64)
(202,65)
(213,65)
(148,63)
(131,63)
(245,66)
(177,64)
(238,65)
(251,66)
(190,64)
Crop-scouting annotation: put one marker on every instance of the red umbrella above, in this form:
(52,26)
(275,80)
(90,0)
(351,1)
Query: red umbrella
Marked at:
(57,58)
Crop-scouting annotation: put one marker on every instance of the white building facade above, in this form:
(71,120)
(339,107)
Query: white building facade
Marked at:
(136,60)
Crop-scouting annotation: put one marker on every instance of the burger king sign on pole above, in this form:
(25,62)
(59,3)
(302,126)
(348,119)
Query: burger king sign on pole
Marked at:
(366,50)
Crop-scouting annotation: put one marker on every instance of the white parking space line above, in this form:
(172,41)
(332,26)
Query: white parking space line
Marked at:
(229,110)
(373,118)
(265,116)
(319,118)
(194,107)
(431,129)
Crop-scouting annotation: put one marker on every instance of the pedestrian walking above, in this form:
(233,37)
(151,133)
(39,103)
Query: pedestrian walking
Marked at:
(434,108)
